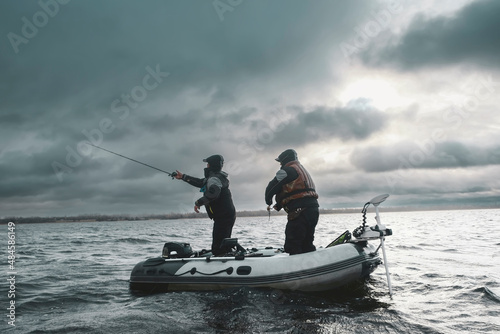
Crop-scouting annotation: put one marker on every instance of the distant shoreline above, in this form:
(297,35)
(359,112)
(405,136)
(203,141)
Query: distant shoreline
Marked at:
(171,216)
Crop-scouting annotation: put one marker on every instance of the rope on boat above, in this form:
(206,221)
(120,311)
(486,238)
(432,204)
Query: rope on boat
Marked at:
(193,271)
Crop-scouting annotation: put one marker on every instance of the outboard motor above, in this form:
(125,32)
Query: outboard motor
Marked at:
(172,250)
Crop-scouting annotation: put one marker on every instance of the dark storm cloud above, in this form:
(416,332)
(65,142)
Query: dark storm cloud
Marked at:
(94,45)
(92,53)
(82,47)
(355,121)
(284,126)
(169,122)
(409,155)
(294,125)
(470,35)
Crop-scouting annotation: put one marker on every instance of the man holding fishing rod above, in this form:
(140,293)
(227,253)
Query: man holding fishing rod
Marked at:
(216,198)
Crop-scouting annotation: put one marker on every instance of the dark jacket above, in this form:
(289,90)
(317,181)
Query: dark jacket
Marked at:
(217,197)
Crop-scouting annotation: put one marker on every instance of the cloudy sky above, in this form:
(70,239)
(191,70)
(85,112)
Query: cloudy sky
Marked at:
(397,97)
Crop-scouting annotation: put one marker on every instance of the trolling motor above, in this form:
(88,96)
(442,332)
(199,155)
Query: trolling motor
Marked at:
(372,232)
(379,231)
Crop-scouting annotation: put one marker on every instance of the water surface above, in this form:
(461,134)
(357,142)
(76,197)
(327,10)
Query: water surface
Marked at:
(73,278)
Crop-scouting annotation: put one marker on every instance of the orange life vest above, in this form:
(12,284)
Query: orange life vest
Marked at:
(302,186)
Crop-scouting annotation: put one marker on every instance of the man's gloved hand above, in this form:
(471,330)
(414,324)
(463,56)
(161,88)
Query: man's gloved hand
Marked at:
(178,175)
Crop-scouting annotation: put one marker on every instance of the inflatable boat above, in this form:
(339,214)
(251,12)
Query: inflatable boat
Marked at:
(350,257)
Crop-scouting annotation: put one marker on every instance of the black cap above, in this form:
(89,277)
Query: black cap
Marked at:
(287,156)
(215,161)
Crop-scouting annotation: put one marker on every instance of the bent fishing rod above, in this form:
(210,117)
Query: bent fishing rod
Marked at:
(142,163)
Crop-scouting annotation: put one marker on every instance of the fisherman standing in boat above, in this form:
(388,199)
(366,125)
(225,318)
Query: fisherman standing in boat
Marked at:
(295,192)
(216,198)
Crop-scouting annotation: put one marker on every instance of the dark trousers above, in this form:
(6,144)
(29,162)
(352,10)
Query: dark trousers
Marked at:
(299,232)
(223,227)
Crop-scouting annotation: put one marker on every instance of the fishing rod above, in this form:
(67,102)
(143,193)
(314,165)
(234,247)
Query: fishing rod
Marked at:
(142,163)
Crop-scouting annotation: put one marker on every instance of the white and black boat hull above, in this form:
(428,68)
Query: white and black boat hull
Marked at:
(323,269)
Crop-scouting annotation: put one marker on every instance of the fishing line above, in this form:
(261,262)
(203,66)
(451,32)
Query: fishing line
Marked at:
(142,163)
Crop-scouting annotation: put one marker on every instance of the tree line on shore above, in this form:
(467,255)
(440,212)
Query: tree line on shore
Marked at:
(130,217)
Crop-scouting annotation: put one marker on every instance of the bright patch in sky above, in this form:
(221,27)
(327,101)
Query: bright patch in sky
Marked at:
(380,92)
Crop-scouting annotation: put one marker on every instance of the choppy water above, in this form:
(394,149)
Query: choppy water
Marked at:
(73,278)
